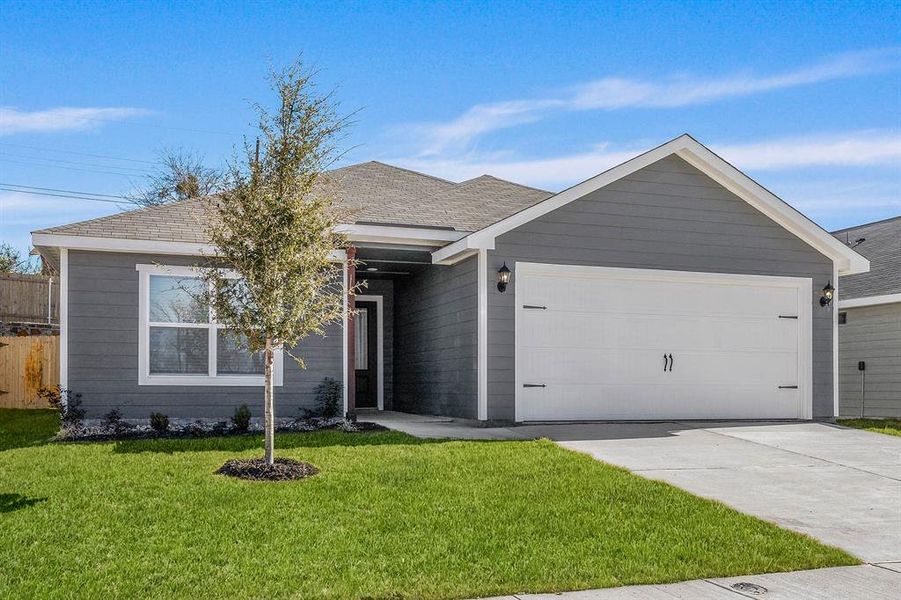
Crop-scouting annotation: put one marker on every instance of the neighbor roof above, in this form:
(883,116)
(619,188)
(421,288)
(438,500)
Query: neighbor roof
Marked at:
(371,192)
(882,246)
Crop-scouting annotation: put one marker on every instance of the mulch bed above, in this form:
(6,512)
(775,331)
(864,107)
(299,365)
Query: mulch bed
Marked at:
(99,433)
(284,469)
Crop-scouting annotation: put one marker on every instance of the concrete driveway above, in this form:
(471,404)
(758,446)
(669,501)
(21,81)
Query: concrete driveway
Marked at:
(842,486)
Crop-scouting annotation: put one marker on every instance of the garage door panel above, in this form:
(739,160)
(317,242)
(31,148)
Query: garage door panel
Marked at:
(634,402)
(586,329)
(570,293)
(594,348)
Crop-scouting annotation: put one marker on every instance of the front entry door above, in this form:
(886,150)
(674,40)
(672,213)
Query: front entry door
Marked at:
(366,354)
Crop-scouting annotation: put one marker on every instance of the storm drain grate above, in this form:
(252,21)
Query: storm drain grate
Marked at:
(749,588)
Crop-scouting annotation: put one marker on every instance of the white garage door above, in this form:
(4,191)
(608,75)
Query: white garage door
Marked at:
(632,344)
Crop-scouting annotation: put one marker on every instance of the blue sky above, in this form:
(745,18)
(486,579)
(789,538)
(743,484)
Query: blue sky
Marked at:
(804,97)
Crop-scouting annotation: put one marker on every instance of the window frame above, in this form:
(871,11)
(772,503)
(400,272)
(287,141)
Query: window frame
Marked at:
(211,378)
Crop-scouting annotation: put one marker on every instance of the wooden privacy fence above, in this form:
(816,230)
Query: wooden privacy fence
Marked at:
(26,364)
(29,298)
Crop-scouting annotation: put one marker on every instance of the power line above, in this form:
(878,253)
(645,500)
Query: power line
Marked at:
(148,162)
(74,162)
(46,189)
(5,189)
(11,160)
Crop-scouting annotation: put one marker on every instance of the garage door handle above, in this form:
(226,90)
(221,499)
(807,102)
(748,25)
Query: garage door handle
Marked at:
(533,385)
(667,360)
(788,387)
(534,307)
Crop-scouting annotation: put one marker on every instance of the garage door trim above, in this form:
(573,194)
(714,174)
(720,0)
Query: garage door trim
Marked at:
(802,284)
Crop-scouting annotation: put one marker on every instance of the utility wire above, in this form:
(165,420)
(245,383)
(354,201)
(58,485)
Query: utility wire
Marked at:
(12,160)
(139,170)
(148,162)
(5,189)
(46,189)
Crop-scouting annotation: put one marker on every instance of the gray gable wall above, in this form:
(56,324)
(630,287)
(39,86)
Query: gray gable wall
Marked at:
(668,215)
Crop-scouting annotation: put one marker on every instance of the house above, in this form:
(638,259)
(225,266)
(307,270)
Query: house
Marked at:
(671,286)
(869,325)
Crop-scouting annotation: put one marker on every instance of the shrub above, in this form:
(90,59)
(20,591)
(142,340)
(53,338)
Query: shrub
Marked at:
(241,419)
(66,403)
(159,422)
(113,420)
(329,397)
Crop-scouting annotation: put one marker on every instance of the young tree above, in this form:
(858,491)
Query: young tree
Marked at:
(180,175)
(11,261)
(272,281)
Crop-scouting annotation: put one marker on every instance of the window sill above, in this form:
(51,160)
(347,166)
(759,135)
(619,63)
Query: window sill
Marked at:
(206,380)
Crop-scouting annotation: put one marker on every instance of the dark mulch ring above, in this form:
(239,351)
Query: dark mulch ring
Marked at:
(284,469)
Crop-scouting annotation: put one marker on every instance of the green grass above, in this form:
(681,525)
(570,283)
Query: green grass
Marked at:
(389,517)
(886,426)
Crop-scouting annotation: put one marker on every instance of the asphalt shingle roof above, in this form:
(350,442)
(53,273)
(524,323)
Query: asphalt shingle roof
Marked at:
(883,249)
(370,192)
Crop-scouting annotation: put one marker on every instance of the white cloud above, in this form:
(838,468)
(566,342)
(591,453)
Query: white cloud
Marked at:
(864,148)
(13,120)
(614,93)
(853,149)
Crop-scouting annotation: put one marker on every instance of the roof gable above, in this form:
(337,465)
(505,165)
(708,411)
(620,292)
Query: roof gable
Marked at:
(703,159)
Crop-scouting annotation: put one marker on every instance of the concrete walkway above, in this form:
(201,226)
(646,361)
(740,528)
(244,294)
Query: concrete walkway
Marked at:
(869,582)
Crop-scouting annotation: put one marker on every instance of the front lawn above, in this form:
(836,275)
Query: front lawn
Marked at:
(389,516)
(886,426)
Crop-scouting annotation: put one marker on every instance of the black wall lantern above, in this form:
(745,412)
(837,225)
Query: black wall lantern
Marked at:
(828,293)
(503,278)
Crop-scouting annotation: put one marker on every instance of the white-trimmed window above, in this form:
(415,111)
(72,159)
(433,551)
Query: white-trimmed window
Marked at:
(179,340)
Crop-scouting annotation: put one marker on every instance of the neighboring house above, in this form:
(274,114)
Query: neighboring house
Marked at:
(870,323)
(669,287)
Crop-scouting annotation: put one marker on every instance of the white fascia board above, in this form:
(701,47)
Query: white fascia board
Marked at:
(102,244)
(686,147)
(869,301)
(413,236)
(454,253)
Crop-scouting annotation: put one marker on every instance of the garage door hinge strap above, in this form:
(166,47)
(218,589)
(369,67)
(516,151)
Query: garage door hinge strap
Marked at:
(533,385)
(534,307)
(788,387)
(788,316)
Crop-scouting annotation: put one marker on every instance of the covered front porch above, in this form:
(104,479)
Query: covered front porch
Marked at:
(411,333)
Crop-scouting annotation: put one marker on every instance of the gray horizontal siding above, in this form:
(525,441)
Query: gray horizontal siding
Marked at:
(666,216)
(871,334)
(435,338)
(103,350)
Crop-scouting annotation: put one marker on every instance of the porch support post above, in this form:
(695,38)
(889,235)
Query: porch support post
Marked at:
(351,376)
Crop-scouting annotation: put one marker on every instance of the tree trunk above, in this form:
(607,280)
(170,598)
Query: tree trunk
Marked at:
(269,408)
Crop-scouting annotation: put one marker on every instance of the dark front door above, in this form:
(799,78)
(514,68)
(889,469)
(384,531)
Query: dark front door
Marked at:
(366,354)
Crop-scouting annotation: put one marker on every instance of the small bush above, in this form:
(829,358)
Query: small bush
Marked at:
(66,403)
(159,422)
(241,419)
(329,397)
(113,420)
